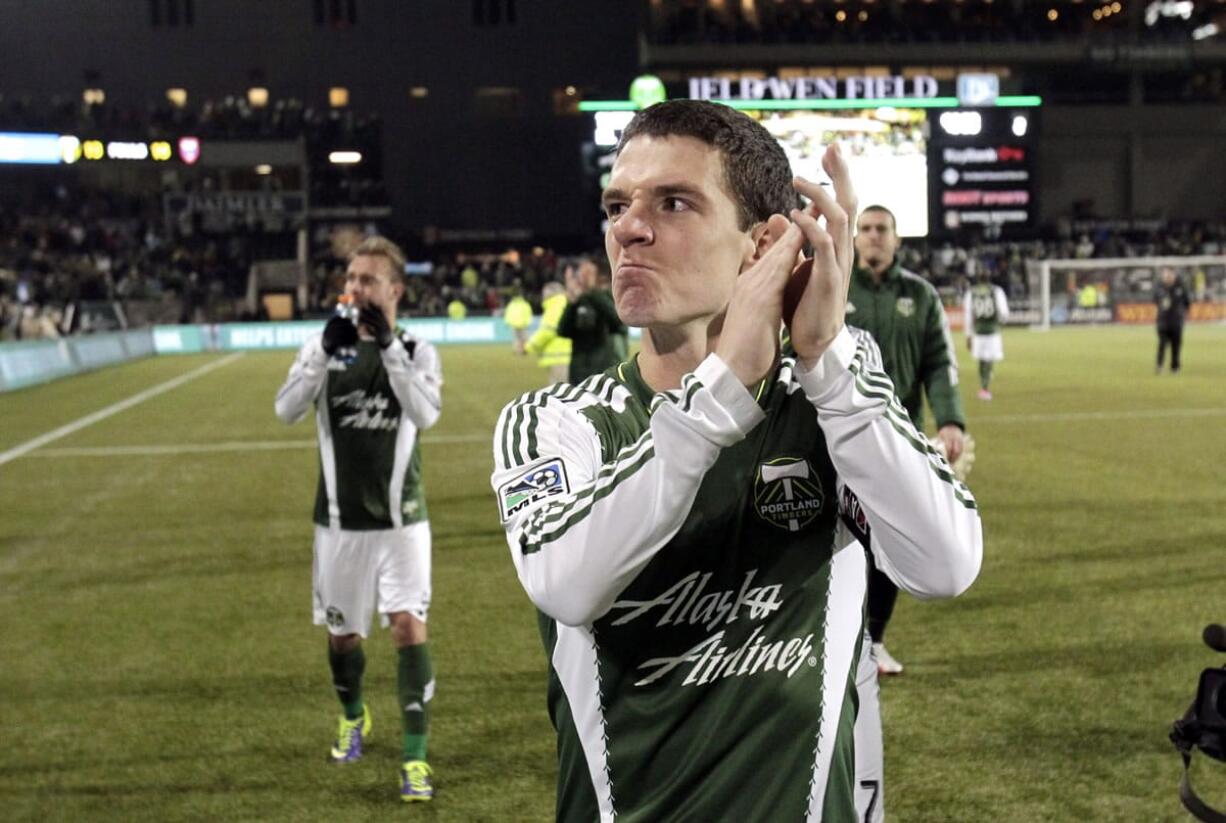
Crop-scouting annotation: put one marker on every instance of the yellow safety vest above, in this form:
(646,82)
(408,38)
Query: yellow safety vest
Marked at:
(550,350)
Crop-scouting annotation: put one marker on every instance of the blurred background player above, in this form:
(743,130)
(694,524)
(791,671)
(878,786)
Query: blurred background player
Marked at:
(904,314)
(986,309)
(551,350)
(591,323)
(372,535)
(1171,296)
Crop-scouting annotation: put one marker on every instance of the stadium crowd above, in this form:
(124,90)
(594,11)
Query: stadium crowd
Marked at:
(98,250)
(83,249)
(233,117)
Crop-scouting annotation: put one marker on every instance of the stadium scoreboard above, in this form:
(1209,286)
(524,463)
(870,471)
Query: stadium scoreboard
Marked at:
(946,166)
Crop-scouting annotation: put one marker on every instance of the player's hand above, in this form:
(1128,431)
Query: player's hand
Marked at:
(962,465)
(749,339)
(968,344)
(375,321)
(819,313)
(951,436)
(339,333)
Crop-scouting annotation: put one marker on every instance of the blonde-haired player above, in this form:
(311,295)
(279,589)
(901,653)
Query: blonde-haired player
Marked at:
(374,388)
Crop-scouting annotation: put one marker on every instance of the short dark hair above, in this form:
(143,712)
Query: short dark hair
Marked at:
(883,210)
(756,170)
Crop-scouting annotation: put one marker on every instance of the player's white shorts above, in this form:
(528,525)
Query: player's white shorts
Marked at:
(989,347)
(357,573)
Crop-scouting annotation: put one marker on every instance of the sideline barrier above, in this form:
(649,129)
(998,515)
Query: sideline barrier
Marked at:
(291,335)
(37,361)
(28,363)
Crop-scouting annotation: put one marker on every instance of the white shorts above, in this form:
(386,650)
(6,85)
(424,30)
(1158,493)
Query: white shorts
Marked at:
(357,573)
(989,347)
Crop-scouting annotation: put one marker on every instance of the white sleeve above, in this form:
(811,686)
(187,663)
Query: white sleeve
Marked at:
(581,526)
(306,378)
(924,527)
(416,374)
(1002,305)
(968,314)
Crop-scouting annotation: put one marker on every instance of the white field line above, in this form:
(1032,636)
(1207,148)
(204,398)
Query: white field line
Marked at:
(114,408)
(1137,414)
(174,449)
(478,437)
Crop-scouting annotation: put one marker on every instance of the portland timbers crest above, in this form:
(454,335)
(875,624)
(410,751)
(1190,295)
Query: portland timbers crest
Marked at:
(787,493)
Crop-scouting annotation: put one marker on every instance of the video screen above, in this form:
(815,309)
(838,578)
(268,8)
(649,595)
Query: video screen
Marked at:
(885,148)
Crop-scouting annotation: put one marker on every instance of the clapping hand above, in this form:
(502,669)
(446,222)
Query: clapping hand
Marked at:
(815,302)
(818,317)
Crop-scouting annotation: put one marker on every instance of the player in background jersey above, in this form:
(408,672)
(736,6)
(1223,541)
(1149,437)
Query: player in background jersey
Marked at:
(903,312)
(688,523)
(374,388)
(986,311)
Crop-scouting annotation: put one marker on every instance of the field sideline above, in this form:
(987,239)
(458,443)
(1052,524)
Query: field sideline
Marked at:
(158,661)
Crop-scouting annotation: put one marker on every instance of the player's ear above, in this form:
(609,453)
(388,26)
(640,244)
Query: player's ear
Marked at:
(764,235)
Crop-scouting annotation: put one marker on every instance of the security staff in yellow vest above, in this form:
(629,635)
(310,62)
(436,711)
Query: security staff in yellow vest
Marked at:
(552,352)
(518,315)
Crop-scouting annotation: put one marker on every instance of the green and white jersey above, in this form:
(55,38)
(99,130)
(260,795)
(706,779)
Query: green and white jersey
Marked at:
(700,598)
(368,413)
(986,308)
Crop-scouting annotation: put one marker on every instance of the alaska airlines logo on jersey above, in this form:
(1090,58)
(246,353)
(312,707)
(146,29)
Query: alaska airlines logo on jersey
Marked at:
(537,483)
(905,306)
(366,411)
(688,603)
(787,493)
(711,660)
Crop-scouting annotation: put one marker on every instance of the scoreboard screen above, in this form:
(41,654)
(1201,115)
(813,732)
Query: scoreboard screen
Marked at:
(983,164)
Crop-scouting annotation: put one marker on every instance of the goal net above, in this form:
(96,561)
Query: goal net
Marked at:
(1121,290)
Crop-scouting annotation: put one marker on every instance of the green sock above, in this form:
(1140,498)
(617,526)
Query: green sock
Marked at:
(347,669)
(415,685)
(985,374)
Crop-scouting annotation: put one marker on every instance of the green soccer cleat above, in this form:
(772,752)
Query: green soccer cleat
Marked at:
(415,782)
(349,737)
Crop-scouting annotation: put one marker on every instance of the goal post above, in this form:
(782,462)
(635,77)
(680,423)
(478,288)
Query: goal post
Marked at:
(1121,289)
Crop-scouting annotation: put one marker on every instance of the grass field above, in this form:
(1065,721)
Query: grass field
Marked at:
(158,663)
